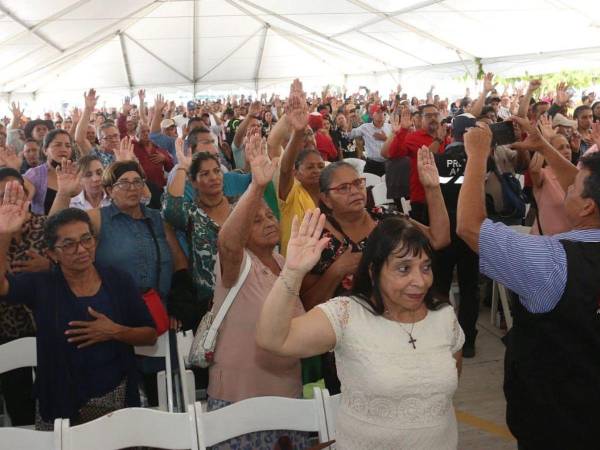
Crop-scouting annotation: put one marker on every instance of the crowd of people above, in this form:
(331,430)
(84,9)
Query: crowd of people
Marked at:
(103,210)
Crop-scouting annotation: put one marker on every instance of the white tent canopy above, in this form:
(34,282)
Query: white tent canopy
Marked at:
(57,48)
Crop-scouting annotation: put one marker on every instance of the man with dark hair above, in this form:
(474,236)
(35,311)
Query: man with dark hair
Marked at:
(552,366)
(584,116)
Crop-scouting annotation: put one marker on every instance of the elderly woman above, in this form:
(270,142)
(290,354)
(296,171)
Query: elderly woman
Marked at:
(88,318)
(242,370)
(398,350)
(92,193)
(200,219)
(57,147)
(131,237)
(26,254)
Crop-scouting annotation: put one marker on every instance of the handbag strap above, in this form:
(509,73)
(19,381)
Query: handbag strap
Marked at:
(211,335)
(148,223)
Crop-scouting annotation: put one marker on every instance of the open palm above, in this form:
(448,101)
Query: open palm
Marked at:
(428,173)
(14,208)
(261,166)
(68,178)
(125,151)
(306,245)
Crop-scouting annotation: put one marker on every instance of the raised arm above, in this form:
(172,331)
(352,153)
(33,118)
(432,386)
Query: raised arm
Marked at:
(235,231)
(90,100)
(438,231)
(471,200)
(177,186)
(159,105)
(488,86)
(524,102)
(279,134)
(310,334)
(17,115)
(297,117)
(240,133)
(13,213)
(142,107)
(399,124)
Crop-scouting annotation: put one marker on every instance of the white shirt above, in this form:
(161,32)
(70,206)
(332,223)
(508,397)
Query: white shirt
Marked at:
(372,146)
(81,202)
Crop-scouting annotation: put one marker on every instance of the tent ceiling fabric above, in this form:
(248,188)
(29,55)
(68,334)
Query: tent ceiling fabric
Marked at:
(68,45)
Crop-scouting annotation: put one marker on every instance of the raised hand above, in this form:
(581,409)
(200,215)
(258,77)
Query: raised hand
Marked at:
(76,115)
(142,96)
(14,208)
(545,126)
(68,178)
(306,245)
(125,151)
(534,141)
(126,108)
(159,104)
(488,82)
(428,173)
(254,109)
(478,140)
(15,109)
(183,160)
(562,94)
(90,99)
(595,133)
(405,119)
(536,163)
(534,85)
(296,108)
(10,158)
(261,166)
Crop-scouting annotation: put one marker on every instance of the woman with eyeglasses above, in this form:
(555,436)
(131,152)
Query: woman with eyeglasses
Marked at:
(57,146)
(131,237)
(349,224)
(88,317)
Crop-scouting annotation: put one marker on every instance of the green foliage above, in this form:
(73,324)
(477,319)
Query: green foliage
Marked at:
(578,79)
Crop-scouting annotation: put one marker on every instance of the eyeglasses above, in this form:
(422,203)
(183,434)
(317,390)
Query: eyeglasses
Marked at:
(69,247)
(431,115)
(111,137)
(129,185)
(346,188)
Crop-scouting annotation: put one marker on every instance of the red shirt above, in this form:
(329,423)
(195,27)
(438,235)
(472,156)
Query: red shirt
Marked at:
(326,147)
(408,144)
(154,172)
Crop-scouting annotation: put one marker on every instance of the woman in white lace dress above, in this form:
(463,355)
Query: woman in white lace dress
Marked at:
(398,351)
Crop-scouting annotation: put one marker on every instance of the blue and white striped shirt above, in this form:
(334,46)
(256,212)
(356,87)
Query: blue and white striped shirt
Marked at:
(535,267)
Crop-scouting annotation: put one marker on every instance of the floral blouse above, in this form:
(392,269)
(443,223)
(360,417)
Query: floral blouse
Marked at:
(16,321)
(335,248)
(202,233)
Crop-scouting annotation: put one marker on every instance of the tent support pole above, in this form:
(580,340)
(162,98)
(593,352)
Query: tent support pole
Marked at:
(259,57)
(126,64)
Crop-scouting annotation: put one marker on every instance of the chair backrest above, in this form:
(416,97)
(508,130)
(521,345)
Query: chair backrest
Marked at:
(18,353)
(260,414)
(24,439)
(161,349)
(372,179)
(188,384)
(331,405)
(359,164)
(131,427)
(379,193)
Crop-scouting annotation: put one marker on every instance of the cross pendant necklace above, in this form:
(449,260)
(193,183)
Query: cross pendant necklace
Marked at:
(412,341)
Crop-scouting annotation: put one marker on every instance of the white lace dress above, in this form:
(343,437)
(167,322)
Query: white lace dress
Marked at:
(395,396)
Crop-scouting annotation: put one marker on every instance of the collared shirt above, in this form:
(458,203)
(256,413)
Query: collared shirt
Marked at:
(535,267)
(80,202)
(167,142)
(372,146)
(105,158)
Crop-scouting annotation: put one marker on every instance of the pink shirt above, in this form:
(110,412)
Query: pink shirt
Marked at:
(241,369)
(551,210)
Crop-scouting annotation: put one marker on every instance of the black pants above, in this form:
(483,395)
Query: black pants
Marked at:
(375,167)
(17,389)
(467,263)
(418,212)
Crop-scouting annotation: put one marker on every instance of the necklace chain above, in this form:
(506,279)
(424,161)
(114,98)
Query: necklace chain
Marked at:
(206,205)
(412,340)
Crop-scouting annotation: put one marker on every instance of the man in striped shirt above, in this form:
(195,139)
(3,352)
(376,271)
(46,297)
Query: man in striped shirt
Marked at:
(552,365)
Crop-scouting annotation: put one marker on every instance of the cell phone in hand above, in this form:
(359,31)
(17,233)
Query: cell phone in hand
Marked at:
(503,133)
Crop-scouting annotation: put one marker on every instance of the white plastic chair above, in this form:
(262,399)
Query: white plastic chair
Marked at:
(331,405)
(380,197)
(164,380)
(16,355)
(261,414)
(359,164)
(24,439)
(188,383)
(405,205)
(131,427)
(372,179)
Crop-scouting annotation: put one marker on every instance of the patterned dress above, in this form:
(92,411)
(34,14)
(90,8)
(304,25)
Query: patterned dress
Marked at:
(16,321)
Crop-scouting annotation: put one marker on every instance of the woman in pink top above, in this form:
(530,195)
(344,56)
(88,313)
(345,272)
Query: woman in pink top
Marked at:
(241,369)
(549,195)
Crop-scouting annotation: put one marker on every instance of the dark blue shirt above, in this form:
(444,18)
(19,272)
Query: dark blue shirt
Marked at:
(62,382)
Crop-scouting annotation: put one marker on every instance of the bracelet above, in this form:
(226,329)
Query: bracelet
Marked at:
(288,288)
(181,168)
